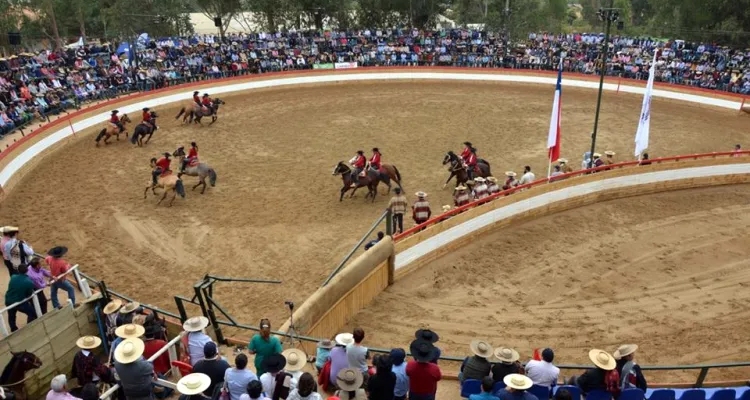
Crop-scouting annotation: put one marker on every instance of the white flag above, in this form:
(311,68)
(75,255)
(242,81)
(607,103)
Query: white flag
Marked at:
(644,124)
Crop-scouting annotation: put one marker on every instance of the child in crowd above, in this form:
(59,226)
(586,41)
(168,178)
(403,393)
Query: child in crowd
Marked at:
(323,353)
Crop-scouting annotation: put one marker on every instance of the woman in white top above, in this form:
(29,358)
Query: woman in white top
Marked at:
(305,390)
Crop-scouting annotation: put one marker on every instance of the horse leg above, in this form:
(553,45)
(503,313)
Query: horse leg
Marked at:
(453,173)
(174,195)
(213,119)
(145,192)
(203,182)
(343,192)
(149,136)
(164,196)
(355,189)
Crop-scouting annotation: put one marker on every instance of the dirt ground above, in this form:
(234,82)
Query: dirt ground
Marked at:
(275,213)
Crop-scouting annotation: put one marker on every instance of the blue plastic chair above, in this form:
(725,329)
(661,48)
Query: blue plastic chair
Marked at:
(541,392)
(498,386)
(632,394)
(724,394)
(575,391)
(745,394)
(469,387)
(663,394)
(693,394)
(598,395)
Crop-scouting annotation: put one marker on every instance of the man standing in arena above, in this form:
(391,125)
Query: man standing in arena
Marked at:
(398,206)
(421,209)
(461,197)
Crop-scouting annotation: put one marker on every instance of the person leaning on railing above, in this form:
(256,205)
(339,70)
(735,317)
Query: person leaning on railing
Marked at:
(15,251)
(40,277)
(20,288)
(59,267)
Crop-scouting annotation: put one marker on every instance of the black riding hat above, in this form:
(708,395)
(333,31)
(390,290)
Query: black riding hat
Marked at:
(146,109)
(205,94)
(196,92)
(193,144)
(166,154)
(115,111)
(468,144)
(375,150)
(360,152)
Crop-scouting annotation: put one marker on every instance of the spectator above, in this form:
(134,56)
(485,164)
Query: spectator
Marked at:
(136,375)
(492,186)
(263,345)
(480,189)
(59,267)
(556,171)
(487,384)
(254,392)
(630,373)
(357,355)
(432,337)
(237,378)
(527,176)
(350,381)
(510,180)
(306,389)
(399,369)
(59,389)
(339,359)
(276,383)
(196,339)
(296,360)
(594,378)
(564,166)
(563,394)
(213,366)
(87,368)
(153,344)
(20,288)
(508,364)
(15,251)
(423,374)
(515,388)
(398,205)
(421,209)
(543,373)
(323,353)
(373,242)
(192,386)
(645,160)
(737,150)
(90,392)
(610,157)
(111,311)
(476,366)
(39,276)
(461,196)
(382,385)
(123,332)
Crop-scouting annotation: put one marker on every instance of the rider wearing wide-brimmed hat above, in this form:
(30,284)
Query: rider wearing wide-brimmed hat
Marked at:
(191,156)
(162,166)
(115,120)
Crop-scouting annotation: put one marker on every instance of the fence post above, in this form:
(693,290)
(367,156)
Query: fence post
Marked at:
(3,326)
(173,357)
(389,222)
(212,317)
(701,377)
(37,307)
(181,309)
(82,284)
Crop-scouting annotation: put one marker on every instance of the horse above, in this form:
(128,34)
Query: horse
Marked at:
(109,130)
(213,112)
(202,170)
(141,130)
(458,170)
(187,108)
(371,180)
(14,374)
(170,182)
(394,175)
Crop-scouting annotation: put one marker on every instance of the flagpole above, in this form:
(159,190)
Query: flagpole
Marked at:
(549,166)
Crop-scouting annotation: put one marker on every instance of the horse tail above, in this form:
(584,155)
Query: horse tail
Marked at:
(134,137)
(101,135)
(180,188)
(398,177)
(182,111)
(212,177)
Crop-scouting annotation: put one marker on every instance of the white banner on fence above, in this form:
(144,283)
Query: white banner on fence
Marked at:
(346,65)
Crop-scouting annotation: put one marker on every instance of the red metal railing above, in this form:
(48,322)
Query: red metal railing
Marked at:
(542,181)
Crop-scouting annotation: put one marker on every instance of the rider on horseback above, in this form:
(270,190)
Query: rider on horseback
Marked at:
(192,155)
(197,98)
(470,162)
(162,167)
(148,119)
(207,102)
(375,159)
(358,162)
(115,120)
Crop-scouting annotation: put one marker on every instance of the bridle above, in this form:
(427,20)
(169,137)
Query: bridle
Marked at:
(455,164)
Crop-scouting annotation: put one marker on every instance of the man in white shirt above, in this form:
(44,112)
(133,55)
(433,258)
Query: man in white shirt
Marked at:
(543,373)
(527,176)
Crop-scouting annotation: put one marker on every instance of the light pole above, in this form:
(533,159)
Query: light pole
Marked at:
(506,31)
(608,15)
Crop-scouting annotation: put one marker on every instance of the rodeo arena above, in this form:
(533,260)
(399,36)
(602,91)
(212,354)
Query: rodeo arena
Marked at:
(376,214)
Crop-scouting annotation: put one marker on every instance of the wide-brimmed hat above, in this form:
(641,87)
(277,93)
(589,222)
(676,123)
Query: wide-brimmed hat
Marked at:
(609,153)
(130,307)
(421,194)
(470,182)
(447,207)
(9,229)
(349,379)
(426,334)
(57,251)
(562,160)
(480,179)
(112,307)
(602,359)
(492,179)
(194,383)
(625,350)
(195,324)
(326,344)
(296,359)
(506,354)
(129,350)
(461,187)
(344,339)
(597,155)
(273,363)
(422,350)
(510,173)
(88,342)
(129,331)
(481,348)
(518,381)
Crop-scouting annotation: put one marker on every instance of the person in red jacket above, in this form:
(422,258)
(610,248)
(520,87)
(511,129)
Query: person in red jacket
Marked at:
(161,167)
(375,159)
(197,98)
(115,120)
(148,119)
(466,151)
(359,165)
(207,103)
(192,155)
(471,163)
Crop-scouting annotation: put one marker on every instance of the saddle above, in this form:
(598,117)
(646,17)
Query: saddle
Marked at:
(165,174)
(193,163)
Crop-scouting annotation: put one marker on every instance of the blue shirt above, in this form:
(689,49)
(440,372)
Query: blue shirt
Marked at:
(504,394)
(321,356)
(483,396)
(237,380)
(402,380)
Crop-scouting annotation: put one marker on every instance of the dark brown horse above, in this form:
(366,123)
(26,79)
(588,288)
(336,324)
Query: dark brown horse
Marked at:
(458,170)
(14,375)
(371,181)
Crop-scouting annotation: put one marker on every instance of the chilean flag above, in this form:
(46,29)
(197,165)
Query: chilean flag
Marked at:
(553,139)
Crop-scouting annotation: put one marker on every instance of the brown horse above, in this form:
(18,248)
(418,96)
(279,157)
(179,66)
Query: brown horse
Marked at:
(110,130)
(14,375)
(188,107)
(458,170)
(371,180)
(169,183)
(213,112)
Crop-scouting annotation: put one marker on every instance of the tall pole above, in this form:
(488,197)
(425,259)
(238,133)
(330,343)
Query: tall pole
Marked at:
(506,35)
(609,15)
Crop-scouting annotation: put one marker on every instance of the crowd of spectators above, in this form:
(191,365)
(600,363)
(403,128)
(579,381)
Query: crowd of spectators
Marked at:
(35,85)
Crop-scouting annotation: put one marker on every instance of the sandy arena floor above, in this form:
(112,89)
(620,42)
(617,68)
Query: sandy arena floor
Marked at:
(275,212)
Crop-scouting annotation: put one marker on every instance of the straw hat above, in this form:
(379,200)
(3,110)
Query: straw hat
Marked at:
(421,195)
(129,350)
(195,324)
(602,359)
(295,359)
(470,182)
(506,354)
(624,351)
(518,381)
(112,307)
(447,208)
(562,160)
(130,331)
(88,342)
(480,179)
(194,383)
(344,339)
(9,229)
(609,153)
(349,379)
(510,174)
(481,348)
(461,187)
(130,307)
(492,179)
(597,155)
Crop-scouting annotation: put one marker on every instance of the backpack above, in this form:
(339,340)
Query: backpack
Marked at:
(612,382)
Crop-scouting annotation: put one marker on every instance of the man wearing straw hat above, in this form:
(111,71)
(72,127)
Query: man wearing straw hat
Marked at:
(596,378)
(398,205)
(135,373)
(510,180)
(565,167)
(127,331)
(480,189)
(461,197)
(127,312)
(476,366)
(610,157)
(195,340)
(15,251)
(86,365)
(508,364)
(492,186)
(421,209)
(191,387)
(338,356)
(423,374)
(296,360)
(631,375)
(515,388)
(110,312)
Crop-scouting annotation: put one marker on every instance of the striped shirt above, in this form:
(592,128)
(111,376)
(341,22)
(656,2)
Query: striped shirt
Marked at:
(480,191)
(422,211)
(398,204)
(492,188)
(461,199)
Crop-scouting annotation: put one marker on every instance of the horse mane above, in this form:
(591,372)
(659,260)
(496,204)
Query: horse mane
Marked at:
(9,368)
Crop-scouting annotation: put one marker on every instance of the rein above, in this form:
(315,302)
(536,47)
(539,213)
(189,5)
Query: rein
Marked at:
(8,385)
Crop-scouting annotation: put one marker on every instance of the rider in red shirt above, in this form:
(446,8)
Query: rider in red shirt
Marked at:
(466,151)
(192,155)
(162,166)
(197,98)
(375,159)
(471,163)
(116,120)
(147,118)
(359,166)
(207,103)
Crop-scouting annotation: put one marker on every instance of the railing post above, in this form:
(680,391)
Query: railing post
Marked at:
(3,327)
(701,377)
(173,357)
(212,317)
(181,309)
(37,307)
(82,284)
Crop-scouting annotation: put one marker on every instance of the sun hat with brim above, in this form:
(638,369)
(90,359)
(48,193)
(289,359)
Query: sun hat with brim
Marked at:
(602,359)
(57,252)
(422,350)
(9,229)
(273,363)
(609,153)
(195,324)
(480,179)
(129,331)
(344,339)
(421,194)
(129,350)
(447,207)
(130,307)
(597,155)
(562,160)
(194,383)
(461,187)
(492,179)
(506,354)
(481,348)
(295,359)
(88,342)
(518,381)
(625,350)
(427,334)
(326,344)
(510,173)
(112,307)
(349,379)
